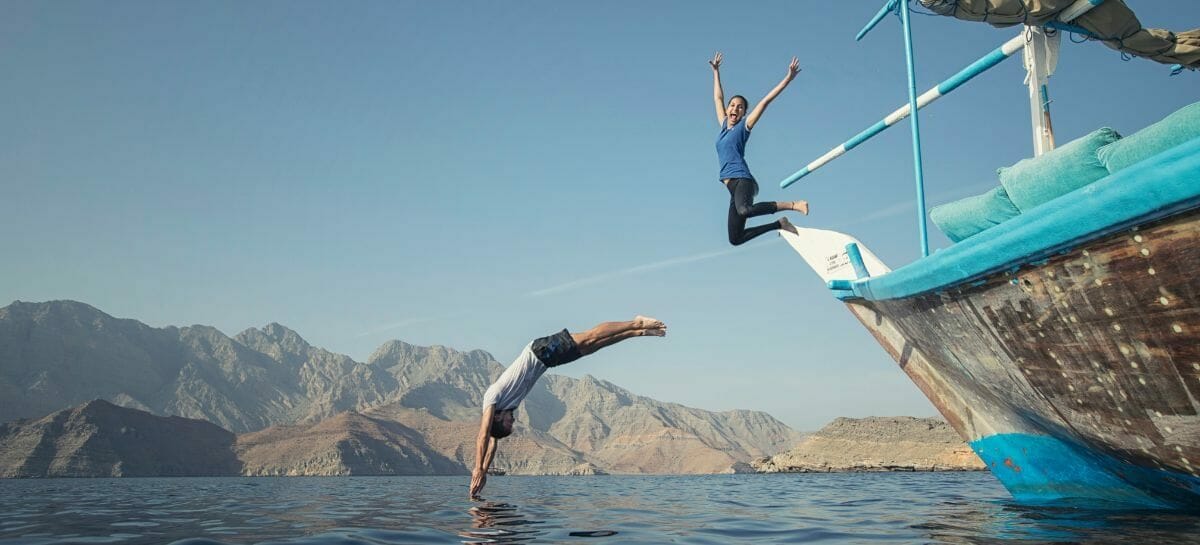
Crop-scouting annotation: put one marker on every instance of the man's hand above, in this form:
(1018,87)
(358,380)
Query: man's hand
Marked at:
(478,479)
(715,63)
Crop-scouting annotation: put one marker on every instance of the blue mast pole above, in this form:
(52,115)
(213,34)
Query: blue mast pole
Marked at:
(916,127)
(887,8)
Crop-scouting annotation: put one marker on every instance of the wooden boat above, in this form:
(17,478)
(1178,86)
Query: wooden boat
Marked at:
(1062,344)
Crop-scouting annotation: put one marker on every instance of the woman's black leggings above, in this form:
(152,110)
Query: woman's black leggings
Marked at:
(742,206)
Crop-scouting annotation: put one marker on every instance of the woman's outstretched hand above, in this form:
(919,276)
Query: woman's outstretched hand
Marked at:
(715,63)
(793,69)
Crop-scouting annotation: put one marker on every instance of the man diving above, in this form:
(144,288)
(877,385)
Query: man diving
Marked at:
(503,396)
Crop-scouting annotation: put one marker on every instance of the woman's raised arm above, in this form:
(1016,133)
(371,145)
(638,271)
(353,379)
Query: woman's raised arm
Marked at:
(793,69)
(718,93)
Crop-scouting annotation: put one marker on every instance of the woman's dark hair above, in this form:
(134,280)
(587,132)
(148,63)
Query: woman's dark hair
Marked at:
(498,429)
(744,101)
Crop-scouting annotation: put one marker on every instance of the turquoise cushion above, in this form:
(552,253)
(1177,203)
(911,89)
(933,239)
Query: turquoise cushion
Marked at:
(1175,129)
(1158,187)
(1062,170)
(963,218)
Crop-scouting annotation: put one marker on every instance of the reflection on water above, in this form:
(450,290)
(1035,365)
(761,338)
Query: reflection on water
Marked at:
(499,523)
(718,509)
(1009,522)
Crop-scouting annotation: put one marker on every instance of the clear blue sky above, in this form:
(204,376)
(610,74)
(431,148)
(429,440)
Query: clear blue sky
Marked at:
(476,174)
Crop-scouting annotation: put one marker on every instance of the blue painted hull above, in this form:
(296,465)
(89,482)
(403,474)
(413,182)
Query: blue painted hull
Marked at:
(1044,469)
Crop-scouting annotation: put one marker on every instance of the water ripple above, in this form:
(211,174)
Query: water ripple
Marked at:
(812,508)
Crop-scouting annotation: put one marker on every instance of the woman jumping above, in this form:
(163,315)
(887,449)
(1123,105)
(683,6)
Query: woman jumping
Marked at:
(731,152)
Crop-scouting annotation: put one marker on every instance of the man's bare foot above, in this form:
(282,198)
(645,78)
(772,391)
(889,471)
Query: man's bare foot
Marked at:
(654,332)
(785,225)
(646,322)
(799,206)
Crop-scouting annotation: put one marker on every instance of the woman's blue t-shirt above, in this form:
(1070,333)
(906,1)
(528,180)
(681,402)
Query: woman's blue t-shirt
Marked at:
(731,151)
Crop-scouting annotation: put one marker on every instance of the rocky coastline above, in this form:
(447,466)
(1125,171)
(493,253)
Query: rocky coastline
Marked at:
(899,443)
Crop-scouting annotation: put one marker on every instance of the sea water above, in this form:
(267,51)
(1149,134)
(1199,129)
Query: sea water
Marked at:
(796,508)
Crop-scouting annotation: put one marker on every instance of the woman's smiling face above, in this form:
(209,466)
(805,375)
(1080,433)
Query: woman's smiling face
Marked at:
(736,110)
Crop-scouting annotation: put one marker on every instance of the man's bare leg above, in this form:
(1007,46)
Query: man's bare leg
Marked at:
(609,333)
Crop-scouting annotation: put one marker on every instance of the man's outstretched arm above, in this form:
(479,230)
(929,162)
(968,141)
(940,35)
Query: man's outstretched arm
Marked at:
(493,443)
(485,449)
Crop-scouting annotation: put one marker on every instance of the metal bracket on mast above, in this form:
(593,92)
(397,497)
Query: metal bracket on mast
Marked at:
(1041,58)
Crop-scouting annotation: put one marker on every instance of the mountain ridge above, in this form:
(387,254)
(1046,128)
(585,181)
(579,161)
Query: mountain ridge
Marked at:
(62,354)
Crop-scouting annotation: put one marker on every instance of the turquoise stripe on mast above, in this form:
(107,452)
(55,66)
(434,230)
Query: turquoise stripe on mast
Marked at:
(976,68)
(847,146)
(794,177)
(863,136)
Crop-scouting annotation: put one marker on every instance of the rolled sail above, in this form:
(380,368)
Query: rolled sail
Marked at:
(1111,22)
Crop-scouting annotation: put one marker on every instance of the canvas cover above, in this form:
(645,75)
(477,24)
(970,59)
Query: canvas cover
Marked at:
(1111,22)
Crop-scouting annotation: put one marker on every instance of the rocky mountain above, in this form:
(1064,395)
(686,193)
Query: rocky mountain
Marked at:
(626,433)
(63,353)
(446,382)
(99,439)
(346,444)
(900,443)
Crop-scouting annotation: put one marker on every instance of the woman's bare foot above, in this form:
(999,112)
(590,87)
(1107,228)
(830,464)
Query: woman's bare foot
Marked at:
(646,322)
(785,225)
(799,206)
(654,332)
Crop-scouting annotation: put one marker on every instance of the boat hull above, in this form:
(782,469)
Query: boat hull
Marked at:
(1074,378)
